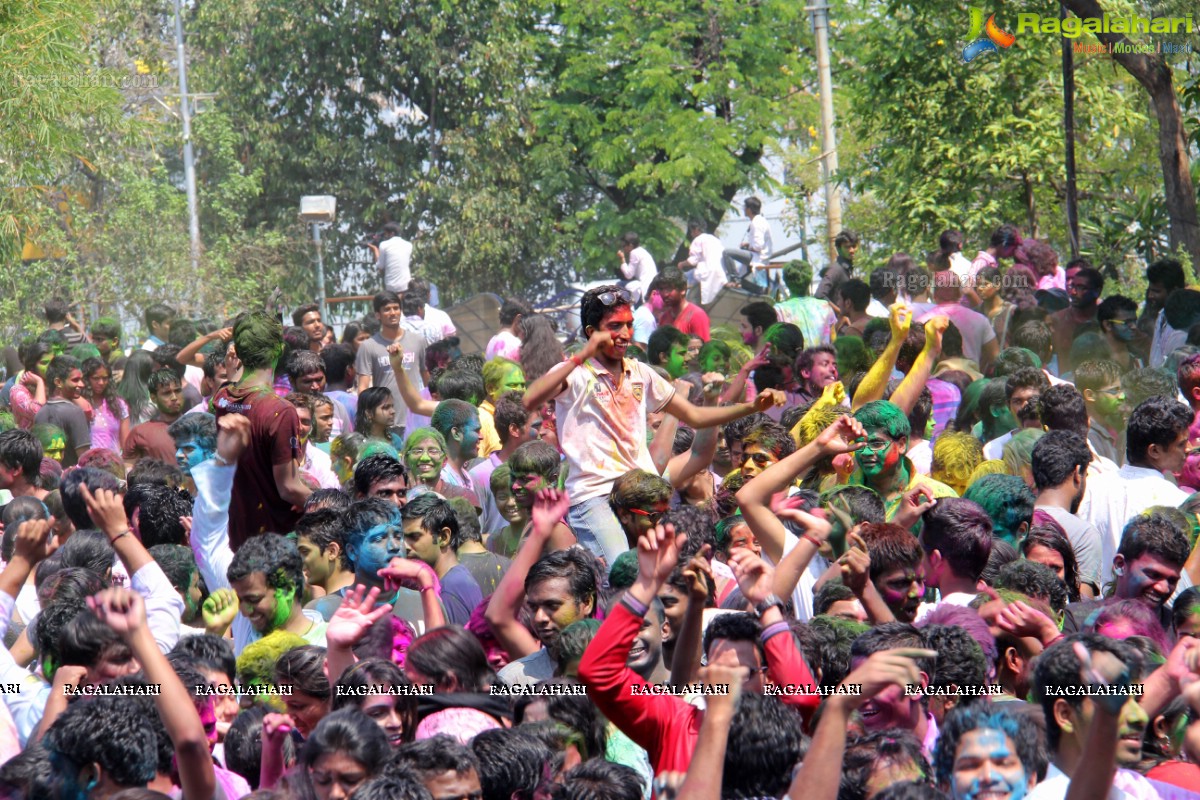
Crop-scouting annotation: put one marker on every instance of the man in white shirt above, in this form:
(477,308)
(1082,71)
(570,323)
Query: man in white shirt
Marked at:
(1061,689)
(755,249)
(395,256)
(703,264)
(637,266)
(1156,445)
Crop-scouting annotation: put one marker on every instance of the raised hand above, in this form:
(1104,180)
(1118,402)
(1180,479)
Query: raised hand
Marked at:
(218,611)
(33,541)
(754,576)
(845,435)
(913,504)
(855,564)
(549,507)
(883,669)
(408,573)
(769,398)
(934,328)
(120,609)
(899,320)
(233,437)
(106,510)
(658,553)
(354,617)
(699,575)
(721,675)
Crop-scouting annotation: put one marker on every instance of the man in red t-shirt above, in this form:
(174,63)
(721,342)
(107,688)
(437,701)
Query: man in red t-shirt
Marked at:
(677,311)
(267,490)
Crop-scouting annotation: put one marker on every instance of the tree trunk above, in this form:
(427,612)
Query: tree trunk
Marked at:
(1154,74)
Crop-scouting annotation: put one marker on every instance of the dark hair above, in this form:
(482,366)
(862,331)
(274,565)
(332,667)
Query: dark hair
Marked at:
(592,311)
(1158,420)
(20,449)
(434,512)
(962,532)
(760,314)
(1059,667)
(1156,535)
(351,732)
(576,564)
(879,748)
(962,720)
(275,556)
(451,652)
(376,469)
(662,340)
(207,652)
(890,547)
(511,763)
(72,498)
(1057,455)
(323,527)
(1034,580)
(159,509)
(109,731)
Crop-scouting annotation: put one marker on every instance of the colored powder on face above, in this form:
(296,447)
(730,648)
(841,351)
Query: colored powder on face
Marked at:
(284,602)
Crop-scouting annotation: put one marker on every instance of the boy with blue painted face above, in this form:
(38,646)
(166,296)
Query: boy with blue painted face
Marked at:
(374,536)
(195,437)
(986,752)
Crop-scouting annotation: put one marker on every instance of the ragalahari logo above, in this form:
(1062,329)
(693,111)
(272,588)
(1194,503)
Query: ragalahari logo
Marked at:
(984,38)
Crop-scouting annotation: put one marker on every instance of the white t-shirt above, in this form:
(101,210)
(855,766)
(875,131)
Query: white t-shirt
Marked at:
(395,255)
(602,426)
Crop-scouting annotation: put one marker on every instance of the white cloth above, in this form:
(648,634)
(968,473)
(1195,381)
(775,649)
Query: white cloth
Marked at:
(705,256)
(975,328)
(395,256)
(602,425)
(638,269)
(1117,498)
(994,449)
(1166,341)
(758,237)
(1127,785)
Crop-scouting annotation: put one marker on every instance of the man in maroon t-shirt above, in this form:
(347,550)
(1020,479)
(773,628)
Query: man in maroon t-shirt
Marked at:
(267,490)
(151,437)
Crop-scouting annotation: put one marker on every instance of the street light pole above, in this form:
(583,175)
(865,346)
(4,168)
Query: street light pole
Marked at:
(189,166)
(829,165)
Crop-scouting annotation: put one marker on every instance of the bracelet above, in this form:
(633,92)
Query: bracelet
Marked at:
(120,536)
(634,605)
(773,630)
(814,541)
(577,360)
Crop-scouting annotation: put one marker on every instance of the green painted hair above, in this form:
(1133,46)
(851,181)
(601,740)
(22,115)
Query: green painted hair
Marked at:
(258,339)
(883,414)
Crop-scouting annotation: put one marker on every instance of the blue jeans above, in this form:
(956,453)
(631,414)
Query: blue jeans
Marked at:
(597,527)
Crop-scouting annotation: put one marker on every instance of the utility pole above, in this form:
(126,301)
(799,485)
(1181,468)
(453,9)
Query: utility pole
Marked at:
(829,165)
(1072,199)
(189,164)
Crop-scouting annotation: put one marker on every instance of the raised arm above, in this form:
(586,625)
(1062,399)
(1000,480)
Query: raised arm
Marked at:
(550,385)
(754,498)
(874,384)
(412,398)
(909,390)
(190,355)
(505,606)
(704,417)
(123,611)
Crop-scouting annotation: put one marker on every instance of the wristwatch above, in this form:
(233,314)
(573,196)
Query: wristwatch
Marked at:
(770,601)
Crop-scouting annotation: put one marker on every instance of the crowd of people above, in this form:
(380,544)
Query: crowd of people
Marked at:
(930,532)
